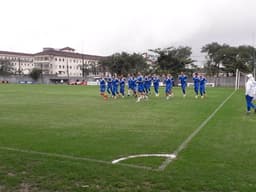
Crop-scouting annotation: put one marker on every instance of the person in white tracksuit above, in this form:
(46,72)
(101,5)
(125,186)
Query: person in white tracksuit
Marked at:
(250,91)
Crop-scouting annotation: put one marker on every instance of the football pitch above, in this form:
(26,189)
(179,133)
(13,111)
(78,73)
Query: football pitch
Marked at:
(64,138)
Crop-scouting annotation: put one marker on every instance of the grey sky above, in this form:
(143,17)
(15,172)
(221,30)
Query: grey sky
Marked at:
(106,26)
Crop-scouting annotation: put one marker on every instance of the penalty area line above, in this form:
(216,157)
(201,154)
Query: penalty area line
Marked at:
(184,144)
(62,156)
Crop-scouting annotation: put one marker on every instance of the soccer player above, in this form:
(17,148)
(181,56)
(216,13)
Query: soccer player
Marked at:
(134,87)
(103,88)
(156,82)
(168,86)
(203,81)
(141,93)
(122,85)
(130,85)
(196,84)
(183,82)
(147,82)
(115,83)
(250,91)
(109,85)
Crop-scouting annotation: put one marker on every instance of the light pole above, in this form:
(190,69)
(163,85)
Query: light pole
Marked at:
(67,70)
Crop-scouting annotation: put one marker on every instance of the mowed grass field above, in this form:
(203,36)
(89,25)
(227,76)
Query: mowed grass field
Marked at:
(63,138)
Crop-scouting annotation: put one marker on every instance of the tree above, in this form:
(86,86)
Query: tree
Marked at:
(215,54)
(35,74)
(225,58)
(173,60)
(124,63)
(5,67)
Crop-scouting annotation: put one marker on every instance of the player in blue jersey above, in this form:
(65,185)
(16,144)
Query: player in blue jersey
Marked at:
(130,85)
(156,82)
(183,82)
(141,91)
(103,88)
(109,85)
(168,86)
(196,84)
(134,85)
(147,82)
(122,85)
(115,83)
(202,84)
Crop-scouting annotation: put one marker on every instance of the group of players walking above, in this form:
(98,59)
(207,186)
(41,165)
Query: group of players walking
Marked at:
(140,86)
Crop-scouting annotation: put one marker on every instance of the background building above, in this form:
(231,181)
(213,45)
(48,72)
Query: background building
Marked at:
(58,64)
(20,63)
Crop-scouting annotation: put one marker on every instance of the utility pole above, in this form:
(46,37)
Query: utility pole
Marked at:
(42,79)
(67,70)
(83,67)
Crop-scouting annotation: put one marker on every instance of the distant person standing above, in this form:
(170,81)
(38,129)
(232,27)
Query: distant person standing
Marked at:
(183,82)
(202,84)
(196,84)
(250,93)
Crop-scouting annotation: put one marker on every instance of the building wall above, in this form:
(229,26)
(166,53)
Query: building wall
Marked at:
(21,64)
(61,63)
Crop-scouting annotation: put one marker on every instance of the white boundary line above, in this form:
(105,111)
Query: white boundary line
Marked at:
(172,156)
(192,135)
(45,154)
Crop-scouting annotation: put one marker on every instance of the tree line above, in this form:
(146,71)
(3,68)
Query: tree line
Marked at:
(219,59)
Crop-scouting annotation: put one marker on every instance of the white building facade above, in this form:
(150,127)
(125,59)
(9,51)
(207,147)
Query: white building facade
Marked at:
(21,63)
(62,63)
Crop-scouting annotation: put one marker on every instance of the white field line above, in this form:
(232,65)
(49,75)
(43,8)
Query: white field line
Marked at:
(192,135)
(73,158)
(143,155)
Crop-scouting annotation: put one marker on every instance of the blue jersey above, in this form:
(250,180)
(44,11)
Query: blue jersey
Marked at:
(202,81)
(122,83)
(130,83)
(156,81)
(140,84)
(102,85)
(147,82)
(183,80)
(168,84)
(196,81)
(115,82)
(109,81)
(133,83)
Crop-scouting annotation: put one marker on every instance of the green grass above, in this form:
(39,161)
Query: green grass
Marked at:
(75,121)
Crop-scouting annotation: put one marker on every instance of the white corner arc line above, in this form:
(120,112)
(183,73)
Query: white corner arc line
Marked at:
(171,156)
(193,134)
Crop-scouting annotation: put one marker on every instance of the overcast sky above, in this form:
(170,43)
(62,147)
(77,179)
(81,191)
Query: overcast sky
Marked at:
(103,27)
